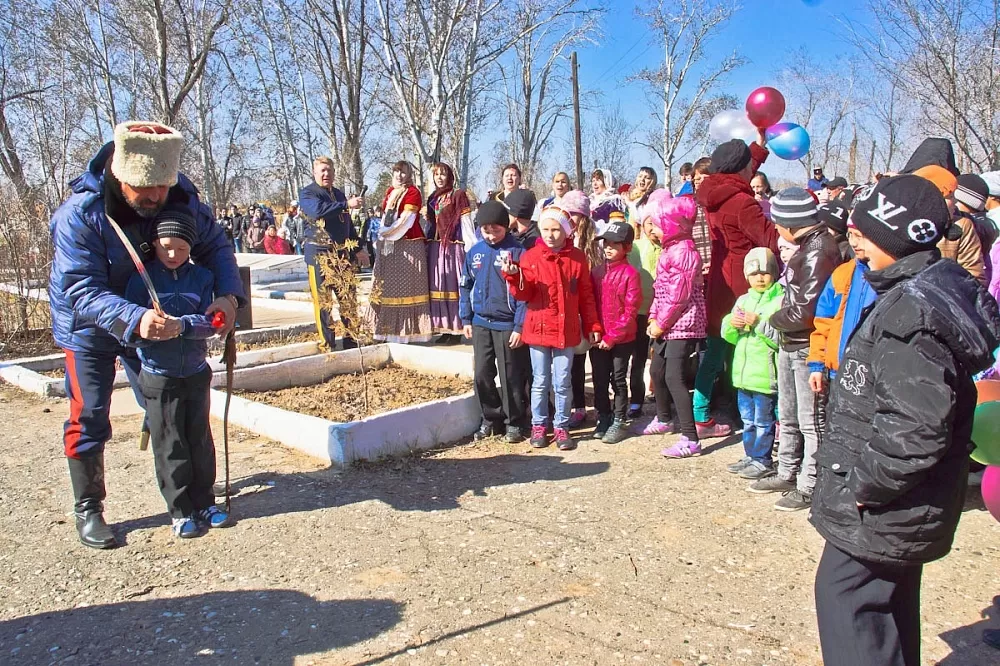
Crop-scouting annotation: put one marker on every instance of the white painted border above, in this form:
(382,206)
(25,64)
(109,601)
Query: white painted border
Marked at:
(396,432)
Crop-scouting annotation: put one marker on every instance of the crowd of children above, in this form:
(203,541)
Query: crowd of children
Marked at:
(861,343)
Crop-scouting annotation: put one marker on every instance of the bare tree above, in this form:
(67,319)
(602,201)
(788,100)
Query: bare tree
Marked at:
(944,54)
(607,144)
(536,93)
(341,44)
(684,28)
(430,57)
(824,110)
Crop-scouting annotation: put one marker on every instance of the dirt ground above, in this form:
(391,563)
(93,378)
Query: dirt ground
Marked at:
(476,554)
(340,398)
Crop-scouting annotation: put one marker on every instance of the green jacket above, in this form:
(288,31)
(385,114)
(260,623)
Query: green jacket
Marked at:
(755,366)
(643,257)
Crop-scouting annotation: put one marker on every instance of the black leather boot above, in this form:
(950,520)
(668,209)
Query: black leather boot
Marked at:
(87,476)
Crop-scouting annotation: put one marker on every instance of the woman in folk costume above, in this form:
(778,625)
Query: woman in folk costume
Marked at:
(638,194)
(449,223)
(402,311)
(603,191)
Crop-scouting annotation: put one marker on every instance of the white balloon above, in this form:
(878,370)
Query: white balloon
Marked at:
(725,124)
(744,130)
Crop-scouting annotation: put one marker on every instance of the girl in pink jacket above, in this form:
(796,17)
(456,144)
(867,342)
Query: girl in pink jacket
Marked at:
(677,320)
(618,292)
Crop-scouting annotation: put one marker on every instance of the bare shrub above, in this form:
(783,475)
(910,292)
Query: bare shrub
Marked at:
(25,260)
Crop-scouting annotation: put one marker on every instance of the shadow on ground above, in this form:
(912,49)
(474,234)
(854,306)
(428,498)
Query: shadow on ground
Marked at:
(406,484)
(966,643)
(248,627)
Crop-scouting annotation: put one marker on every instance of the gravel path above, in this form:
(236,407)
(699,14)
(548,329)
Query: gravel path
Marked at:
(477,554)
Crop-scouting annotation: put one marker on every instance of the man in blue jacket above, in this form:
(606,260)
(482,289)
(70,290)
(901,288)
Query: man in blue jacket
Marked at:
(326,209)
(128,181)
(493,319)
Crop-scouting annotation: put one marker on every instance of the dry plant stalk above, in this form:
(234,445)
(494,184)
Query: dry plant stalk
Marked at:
(339,299)
(25,260)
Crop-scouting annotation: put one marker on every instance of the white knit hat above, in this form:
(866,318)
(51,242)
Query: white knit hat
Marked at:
(147,154)
(992,179)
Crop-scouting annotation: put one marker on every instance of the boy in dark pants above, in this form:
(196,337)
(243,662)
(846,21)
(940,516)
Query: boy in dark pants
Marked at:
(493,319)
(802,413)
(894,462)
(176,379)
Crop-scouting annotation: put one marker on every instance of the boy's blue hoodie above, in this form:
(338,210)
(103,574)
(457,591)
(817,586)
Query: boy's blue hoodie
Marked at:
(485,300)
(184,293)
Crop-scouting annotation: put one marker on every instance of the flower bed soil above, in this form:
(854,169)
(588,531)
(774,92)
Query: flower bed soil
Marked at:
(341,398)
(276,342)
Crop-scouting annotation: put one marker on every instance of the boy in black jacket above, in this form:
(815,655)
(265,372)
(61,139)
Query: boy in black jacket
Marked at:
(493,319)
(894,462)
(802,413)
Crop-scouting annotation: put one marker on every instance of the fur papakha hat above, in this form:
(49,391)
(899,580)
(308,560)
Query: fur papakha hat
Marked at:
(147,154)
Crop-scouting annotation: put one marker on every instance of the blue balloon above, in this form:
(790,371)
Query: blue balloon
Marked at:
(787,140)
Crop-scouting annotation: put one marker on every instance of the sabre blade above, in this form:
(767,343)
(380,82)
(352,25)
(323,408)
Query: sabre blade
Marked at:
(138,265)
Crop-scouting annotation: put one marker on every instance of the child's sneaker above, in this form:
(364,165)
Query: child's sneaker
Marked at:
(771,484)
(684,448)
(657,427)
(711,428)
(739,465)
(577,417)
(793,500)
(615,433)
(563,440)
(213,517)
(756,470)
(513,435)
(634,411)
(538,439)
(188,528)
(604,422)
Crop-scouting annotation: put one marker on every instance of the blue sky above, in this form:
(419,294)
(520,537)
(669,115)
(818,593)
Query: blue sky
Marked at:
(764,31)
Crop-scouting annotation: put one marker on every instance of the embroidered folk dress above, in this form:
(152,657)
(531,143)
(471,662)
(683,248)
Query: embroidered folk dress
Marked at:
(450,223)
(402,308)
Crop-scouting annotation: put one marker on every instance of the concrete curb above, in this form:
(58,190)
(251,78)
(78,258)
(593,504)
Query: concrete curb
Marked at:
(396,432)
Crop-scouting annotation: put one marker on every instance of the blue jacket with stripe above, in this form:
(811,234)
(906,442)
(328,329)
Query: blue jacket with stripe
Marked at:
(185,293)
(91,267)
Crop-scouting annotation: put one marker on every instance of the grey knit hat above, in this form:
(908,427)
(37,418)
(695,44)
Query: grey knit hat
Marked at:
(794,208)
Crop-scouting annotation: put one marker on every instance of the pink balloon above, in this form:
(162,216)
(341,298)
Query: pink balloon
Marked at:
(991,490)
(765,106)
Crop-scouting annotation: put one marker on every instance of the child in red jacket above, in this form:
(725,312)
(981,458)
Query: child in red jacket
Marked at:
(619,294)
(554,279)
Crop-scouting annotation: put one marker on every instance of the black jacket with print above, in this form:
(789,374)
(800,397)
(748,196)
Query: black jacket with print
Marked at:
(900,413)
(806,275)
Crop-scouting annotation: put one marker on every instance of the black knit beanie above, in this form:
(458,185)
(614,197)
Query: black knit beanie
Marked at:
(175,223)
(902,215)
(834,216)
(492,212)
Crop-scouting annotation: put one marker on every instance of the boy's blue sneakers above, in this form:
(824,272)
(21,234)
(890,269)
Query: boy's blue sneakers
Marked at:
(189,528)
(214,517)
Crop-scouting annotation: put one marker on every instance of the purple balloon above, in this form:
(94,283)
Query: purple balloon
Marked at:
(787,140)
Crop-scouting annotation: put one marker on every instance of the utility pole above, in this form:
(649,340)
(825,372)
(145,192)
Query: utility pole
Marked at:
(576,121)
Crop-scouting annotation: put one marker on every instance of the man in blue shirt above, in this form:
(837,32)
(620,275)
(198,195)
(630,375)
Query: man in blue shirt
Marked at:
(818,181)
(329,223)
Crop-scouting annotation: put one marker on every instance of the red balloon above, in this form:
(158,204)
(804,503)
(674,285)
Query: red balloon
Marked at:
(765,107)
